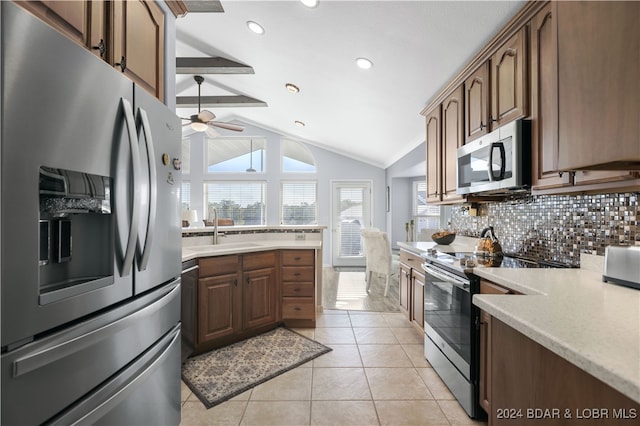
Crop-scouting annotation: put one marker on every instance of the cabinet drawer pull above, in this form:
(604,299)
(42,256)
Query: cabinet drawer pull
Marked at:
(297,258)
(296,289)
(122,64)
(100,48)
(297,274)
(297,308)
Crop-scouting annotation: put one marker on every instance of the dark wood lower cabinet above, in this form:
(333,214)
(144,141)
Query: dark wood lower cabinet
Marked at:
(530,385)
(238,296)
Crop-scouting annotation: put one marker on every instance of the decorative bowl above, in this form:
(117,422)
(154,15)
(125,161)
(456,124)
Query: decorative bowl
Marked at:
(443,238)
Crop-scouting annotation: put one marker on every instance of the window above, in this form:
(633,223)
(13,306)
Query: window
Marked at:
(297,158)
(244,202)
(299,203)
(425,216)
(186,195)
(234,155)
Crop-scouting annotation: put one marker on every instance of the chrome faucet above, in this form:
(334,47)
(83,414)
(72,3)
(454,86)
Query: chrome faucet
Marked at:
(215,226)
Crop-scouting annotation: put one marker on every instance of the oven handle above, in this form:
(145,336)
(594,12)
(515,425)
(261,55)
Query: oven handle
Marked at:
(460,283)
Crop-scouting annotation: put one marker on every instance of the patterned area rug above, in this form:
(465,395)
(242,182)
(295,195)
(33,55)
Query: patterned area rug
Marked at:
(223,373)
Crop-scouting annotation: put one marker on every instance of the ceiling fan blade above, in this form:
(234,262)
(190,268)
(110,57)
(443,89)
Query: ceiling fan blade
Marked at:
(206,115)
(227,126)
(211,132)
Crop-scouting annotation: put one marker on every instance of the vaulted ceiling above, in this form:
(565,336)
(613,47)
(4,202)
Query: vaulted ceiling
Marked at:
(372,115)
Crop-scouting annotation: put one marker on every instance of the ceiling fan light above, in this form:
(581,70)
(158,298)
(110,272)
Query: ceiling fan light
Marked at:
(309,3)
(255,27)
(364,63)
(198,127)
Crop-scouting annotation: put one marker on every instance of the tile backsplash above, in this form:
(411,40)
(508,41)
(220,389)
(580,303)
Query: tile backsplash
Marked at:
(556,227)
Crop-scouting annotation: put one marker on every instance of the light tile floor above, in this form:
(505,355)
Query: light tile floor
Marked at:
(375,375)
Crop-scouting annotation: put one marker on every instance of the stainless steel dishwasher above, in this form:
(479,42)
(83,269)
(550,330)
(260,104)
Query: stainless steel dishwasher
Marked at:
(188,303)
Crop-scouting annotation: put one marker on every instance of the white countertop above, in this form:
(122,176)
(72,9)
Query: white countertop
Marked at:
(193,252)
(571,312)
(592,324)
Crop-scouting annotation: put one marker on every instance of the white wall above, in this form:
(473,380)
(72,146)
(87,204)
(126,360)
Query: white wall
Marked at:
(400,176)
(329,165)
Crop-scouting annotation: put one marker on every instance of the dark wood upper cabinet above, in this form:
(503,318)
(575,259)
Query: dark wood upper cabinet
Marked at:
(544,103)
(138,43)
(598,85)
(476,94)
(433,155)
(509,91)
(129,35)
(452,139)
(82,21)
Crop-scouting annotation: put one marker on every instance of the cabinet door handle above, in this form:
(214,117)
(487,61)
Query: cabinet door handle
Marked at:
(235,282)
(491,119)
(482,126)
(101,47)
(122,64)
(248,281)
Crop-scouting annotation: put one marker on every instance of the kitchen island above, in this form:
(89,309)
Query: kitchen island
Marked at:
(251,281)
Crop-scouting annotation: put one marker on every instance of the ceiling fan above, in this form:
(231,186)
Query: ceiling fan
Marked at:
(204,121)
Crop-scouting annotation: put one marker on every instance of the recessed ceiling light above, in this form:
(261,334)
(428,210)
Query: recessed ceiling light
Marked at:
(299,123)
(292,88)
(309,3)
(255,27)
(364,63)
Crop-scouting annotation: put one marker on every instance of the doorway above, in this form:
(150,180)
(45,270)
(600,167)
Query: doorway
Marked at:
(351,211)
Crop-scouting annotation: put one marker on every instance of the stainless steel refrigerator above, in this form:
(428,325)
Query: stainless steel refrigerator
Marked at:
(90,237)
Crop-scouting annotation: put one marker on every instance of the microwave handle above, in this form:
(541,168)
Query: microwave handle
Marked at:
(503,154)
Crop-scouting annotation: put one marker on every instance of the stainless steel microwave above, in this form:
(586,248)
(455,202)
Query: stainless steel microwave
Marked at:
(498,162)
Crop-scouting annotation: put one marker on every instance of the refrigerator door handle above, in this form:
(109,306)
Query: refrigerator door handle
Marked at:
(49,355)
(127,261)
(153,192)
(121,387)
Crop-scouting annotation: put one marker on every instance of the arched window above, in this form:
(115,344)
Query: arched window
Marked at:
(297,158)
(235,155)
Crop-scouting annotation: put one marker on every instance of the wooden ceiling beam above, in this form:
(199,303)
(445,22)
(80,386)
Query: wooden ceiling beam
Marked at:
(218,101)
(212,65)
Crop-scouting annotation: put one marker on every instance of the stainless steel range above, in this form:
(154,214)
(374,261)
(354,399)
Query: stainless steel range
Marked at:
(451,321)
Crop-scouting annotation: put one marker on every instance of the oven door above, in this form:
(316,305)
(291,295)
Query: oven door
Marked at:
(447,315)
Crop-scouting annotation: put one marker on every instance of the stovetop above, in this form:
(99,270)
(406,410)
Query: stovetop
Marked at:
(466,261)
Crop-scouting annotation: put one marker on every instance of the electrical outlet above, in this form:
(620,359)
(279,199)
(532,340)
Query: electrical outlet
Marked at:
(300,237)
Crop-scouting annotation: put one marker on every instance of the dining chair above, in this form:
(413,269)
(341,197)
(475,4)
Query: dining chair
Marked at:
(378,257)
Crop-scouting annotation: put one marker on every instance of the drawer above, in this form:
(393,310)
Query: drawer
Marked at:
(298,273)
(302,289)
(411,259)
(487,287)
(259,260)
(298,257)
(298,308)
(219,265)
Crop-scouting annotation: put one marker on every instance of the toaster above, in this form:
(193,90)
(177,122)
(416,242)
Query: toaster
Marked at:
(622,266)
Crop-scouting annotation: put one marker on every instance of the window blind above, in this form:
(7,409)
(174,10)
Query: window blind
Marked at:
(185,195)
(299,203)
(244,202)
